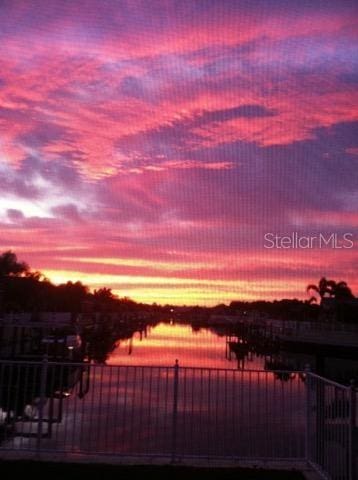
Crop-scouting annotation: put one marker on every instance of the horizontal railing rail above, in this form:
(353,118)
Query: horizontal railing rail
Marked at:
(328,381)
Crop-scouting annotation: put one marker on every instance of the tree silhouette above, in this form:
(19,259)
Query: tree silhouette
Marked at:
(104,299)
(104,294)
(330,289)
(10,266)
(342,291)
(70,296)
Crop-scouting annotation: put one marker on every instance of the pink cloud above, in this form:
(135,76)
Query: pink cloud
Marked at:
(69,86)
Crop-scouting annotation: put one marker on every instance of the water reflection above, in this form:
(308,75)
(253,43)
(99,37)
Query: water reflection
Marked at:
(223,347)
(113,340)
(130,410)
(166,342)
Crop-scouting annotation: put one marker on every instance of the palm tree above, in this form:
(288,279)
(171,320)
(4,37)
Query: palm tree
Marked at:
(342,291)
(323,288)
(331,289)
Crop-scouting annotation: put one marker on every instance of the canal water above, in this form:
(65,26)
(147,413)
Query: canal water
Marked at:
(165,343)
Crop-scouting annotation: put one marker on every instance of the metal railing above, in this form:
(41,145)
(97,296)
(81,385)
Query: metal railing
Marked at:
(178,412)
(332,441)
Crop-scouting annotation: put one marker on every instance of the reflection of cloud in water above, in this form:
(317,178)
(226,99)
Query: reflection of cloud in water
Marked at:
(165,343)
(220,412)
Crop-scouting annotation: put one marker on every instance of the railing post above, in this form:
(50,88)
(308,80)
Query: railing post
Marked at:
(352,427)
(175,409)
(43,381)
(308,412)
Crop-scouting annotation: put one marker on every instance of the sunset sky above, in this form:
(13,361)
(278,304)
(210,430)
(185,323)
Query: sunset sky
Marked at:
(149,146)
